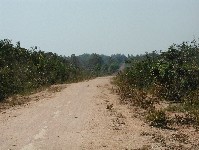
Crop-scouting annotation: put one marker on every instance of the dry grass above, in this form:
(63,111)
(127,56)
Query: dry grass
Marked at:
(38,94)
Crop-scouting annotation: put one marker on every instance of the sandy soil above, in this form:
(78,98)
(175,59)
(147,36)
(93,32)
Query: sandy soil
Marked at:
(84,115)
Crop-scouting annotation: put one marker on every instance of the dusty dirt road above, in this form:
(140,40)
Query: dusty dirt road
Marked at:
(85,115)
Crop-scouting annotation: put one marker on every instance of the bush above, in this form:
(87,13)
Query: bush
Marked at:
(172,75)
(157,118)
(23,70)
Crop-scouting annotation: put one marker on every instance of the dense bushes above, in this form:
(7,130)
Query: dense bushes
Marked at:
(177,72)
(23,70)
(172,76)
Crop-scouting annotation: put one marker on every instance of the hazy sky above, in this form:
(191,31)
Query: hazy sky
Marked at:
(99,26)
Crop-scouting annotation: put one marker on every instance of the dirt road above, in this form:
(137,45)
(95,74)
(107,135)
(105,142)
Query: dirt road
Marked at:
(85,115)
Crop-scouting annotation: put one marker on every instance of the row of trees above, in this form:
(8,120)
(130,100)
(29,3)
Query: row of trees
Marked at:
(22,70)
(99,65)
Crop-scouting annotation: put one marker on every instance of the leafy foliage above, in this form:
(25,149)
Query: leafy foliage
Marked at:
(23,70)
(172,75)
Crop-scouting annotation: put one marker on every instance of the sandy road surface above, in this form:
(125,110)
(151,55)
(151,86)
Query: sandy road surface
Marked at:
(75,118)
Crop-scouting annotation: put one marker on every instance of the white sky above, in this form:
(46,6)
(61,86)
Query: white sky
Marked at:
(99,26)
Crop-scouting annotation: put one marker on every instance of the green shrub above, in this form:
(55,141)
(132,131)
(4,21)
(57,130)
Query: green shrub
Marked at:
(23,70)
(172,75)
(157,118)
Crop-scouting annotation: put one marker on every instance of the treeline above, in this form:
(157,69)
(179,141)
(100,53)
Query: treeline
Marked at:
(99,65)
(171,76)
(23,70)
